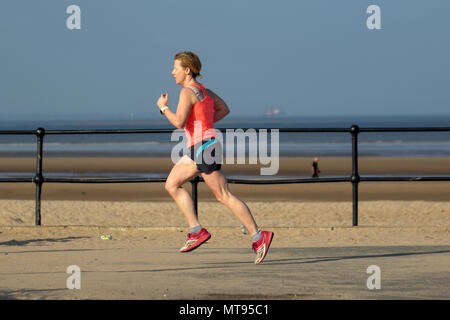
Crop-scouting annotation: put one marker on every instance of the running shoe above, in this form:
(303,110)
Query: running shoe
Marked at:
(261,246)
(195,239)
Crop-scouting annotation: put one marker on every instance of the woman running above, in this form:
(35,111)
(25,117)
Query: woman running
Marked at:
(197,111)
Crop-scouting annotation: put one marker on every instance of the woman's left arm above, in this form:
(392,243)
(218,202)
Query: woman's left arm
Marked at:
(179,118)
(220,107)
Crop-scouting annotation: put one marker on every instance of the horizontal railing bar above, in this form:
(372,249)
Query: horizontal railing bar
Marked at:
(388,179)
(233,180)
(405,129)
(283,181)
(106,131)
(16,179)
(18,132)
(291,129)
(109,131)
(134,131)
(103,180)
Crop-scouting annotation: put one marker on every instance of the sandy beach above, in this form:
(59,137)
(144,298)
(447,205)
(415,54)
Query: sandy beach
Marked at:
(405,226)
(381,204)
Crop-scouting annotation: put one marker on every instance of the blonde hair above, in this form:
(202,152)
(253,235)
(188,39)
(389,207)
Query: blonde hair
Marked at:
(190,60)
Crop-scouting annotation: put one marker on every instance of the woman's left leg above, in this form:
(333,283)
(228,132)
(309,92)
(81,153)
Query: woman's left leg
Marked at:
(182,172)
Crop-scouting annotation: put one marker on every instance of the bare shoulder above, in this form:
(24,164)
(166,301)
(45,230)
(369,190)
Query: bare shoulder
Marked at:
(185,91)
(187,94)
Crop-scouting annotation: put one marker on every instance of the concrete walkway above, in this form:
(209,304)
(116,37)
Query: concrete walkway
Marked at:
(35,268)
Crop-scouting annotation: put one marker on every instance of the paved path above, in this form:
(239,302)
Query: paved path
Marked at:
(36,269)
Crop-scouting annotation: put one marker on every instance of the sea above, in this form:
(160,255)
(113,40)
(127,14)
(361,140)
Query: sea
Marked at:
(306,144)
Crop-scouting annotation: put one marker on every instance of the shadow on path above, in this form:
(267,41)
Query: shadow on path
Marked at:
(268,262)
(327,259)
(38,241)
(12,295)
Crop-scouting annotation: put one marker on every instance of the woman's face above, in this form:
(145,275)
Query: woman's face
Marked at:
(179,72)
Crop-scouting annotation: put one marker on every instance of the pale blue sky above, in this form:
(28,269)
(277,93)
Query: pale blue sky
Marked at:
(310,57)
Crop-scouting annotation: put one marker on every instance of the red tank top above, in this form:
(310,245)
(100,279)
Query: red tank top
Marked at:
(200,123)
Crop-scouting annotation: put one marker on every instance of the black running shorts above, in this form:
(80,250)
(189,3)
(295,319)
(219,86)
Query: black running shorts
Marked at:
(207,155)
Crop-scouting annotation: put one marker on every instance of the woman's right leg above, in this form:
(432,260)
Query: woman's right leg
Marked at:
(217,182)
(183,171)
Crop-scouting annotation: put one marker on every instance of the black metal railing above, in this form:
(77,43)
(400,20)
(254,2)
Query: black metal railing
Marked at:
(39,179)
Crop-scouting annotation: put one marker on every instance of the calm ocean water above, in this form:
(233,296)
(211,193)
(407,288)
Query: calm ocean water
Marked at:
(407,144)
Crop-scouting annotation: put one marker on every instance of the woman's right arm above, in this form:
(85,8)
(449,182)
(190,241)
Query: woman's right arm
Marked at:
(178,118)
(220,107)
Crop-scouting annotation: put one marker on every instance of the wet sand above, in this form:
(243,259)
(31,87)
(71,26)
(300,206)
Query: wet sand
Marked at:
(341,166)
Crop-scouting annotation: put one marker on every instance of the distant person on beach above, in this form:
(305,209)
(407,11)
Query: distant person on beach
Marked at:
(198,109)
(315,168)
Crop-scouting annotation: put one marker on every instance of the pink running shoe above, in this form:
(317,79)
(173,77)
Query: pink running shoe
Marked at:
(195,239)
(262,245)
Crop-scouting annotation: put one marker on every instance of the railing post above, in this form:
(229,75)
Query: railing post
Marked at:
(354,130)
(38,178)
(194,183)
